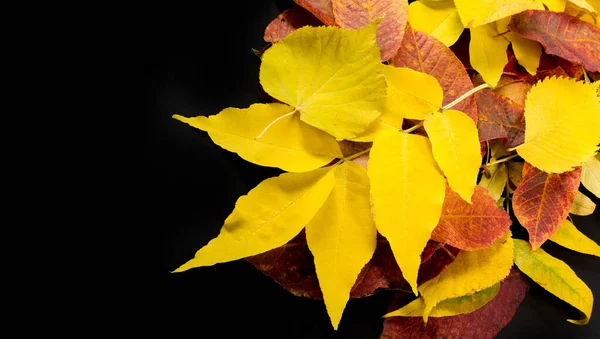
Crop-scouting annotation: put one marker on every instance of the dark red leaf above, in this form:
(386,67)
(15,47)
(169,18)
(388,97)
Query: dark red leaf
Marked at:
(499,118)
(288,21)
(322,9)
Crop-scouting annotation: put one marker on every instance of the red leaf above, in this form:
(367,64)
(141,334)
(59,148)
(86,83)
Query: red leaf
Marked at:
(293,268)
(426,54)
(320,8)
(543,200)
(471,226)
(483,323)
(561,34)
(353,14)
(500,117)
(287,22)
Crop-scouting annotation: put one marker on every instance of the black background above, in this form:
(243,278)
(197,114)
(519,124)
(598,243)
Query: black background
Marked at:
(199,62)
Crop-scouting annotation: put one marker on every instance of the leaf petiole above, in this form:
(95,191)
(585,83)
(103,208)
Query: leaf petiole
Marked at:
(273,123)
(415,127)
(464,96)
(356,155)
(502,160)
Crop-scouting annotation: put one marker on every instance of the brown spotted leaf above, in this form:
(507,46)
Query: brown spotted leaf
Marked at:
(287,22)
(483,323)
(471,226)
(320,8)
(542,201)
(500,117)
(426,54)
(562,35)
(353,14)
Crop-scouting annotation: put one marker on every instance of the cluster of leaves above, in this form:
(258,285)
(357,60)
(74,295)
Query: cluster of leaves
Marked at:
(400,171)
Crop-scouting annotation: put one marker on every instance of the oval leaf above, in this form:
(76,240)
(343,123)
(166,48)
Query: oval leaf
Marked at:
(582,205)
(590,175)
(407,190)
(570,237)
(322,9)
(561,132)
(471,226)
(556,277)
(456,149)
(289,143)
(338,87)
(487,52)
(288,21)
(438,19)
(543,200)
(342,237)
(270,215)
(353,14)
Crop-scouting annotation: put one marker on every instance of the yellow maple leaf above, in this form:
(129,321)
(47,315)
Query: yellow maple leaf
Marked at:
(407,190)
(342,237)
(561,132)
(439,19)
(481,12)
(332,76)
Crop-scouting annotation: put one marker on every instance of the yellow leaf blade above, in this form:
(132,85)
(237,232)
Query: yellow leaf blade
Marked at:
(570,237)
(590,175)
(289,143)
(488,53)
(270,215)
(556,277)
(481,12)
(408,191)
(582,205)
(342,237)
(456,149)
(583,4)
(332,76)
(385,122)
(438,19)
(555,5)
(496,183)
(472,271)
(411,94)
(556,138)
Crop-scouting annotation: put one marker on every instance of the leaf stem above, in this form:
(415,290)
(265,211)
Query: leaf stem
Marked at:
(585,75)
(356,155)
(415,127)
(464,96)
(502,160)
(273,123)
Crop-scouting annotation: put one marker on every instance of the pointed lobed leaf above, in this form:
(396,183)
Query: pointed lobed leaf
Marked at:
(590,175)
(487,52)
(561,132)
(500,117)
(331,76)
(474,14)
(562,35)
(353,14)
(322,9)
(485,322)
(407,190)
(288,21)
(570,237)
(426,54)
(471,226)
(472,271)
(439,19)
(270,215)
(289,143)
(543,200)
(342,237)
(582,205)
(556,277)
(411,94)
(456,149)
(496,182)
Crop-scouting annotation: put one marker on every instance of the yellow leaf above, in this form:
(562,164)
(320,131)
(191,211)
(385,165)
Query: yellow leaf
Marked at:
(270,215)
(448,307)
(515,173)
(456,149)
(496,183)
(407,190)
(411,94)
(332,76)
(527,52)
(477,13)
(289,143)
(570,237)
(488,53)
(342,237)
(378,126)
(561,132)
(582,205)
(556,277)
(439,19)
(472,271)
(583,4)
(590,175)
(583,14)
(555,5)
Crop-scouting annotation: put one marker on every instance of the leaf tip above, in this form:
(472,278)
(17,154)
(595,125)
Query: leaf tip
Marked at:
(179,117)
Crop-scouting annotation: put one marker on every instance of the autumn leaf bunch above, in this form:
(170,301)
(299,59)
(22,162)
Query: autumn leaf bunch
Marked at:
(392,152)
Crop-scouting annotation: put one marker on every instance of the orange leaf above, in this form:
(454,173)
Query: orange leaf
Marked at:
(426,54)
(287,22)
(500,118)
(562,35)
(320,8)
(353,14)
(471,226)
(542,201)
